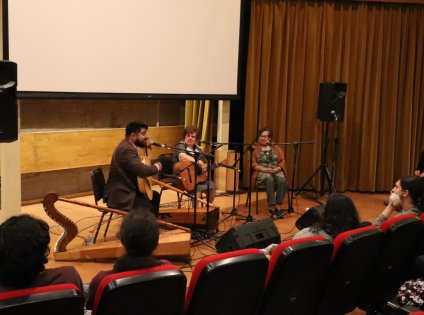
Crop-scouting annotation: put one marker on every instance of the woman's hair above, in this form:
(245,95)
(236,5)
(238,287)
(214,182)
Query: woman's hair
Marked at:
(270,131)
(139,234)
(191,129)
(24,248)
(339,215)
(415,186)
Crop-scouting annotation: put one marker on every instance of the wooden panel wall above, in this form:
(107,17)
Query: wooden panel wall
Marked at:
(58,150)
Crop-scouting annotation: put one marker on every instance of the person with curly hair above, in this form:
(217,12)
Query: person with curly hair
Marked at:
(339,215)
(24,250)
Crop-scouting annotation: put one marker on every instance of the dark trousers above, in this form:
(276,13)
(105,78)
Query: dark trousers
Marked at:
(141,203)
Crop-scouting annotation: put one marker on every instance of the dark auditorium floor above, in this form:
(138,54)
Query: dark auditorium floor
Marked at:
(368,205)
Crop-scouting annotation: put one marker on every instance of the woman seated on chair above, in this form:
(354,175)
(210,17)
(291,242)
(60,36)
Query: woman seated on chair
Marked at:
(139,235)
(24,249)
(340,215)
(188,151)
(268,162)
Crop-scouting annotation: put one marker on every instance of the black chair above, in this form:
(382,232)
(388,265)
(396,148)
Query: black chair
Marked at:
(166,175)
(400,238)
(296,276)
(156,290)
(355,253)
(228,283)
(64,299)
(98,184)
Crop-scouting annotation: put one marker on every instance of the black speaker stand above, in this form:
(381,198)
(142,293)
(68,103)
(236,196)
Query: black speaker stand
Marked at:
(322,170)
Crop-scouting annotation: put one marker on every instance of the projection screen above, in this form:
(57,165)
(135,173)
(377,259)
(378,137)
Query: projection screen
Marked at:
(133,47)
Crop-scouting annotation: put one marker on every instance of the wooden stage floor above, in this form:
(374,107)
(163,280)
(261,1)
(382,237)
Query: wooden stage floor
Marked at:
(368,205)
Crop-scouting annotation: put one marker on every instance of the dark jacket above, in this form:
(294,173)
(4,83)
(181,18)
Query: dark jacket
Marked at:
(121,188)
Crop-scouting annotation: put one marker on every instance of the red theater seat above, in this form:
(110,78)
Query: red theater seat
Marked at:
(63,299)
(156,290)
(296,276)
(228,283)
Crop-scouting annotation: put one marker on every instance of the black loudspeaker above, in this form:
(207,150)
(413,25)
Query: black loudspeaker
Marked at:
(252,235)
(310,217)
(331,102)
(8,105)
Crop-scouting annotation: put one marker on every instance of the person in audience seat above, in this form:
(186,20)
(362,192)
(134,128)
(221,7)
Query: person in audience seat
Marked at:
(139,235)
(24,250)
(420,167)
(339,215)
(406,197)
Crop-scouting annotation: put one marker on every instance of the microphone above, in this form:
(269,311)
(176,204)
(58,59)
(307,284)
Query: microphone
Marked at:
(269,143)
(340,94)
(157,144)
(208,142)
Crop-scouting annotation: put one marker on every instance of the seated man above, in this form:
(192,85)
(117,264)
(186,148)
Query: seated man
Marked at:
(122,191)
(139,234)
(407,196)
(24,248)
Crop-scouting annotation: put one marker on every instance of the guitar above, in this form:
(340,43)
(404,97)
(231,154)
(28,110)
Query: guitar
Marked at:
(145,183)
(188,178)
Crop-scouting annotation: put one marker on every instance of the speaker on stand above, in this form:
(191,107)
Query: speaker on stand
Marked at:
(331,108)
(8,103)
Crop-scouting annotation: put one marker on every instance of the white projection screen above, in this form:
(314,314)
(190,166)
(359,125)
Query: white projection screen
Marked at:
(165,47)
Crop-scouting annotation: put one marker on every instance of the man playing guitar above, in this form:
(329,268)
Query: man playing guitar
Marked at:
(186,152)
(122,189)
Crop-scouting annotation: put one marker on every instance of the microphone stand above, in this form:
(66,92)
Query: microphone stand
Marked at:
(294,170)
(250,148)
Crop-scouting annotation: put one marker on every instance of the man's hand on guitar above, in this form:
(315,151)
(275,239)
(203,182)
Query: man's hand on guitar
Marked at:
(203,166)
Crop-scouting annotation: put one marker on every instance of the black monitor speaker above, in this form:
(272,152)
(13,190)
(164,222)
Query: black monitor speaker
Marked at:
(310,217)
(251,235)
(331,102)
(8,104)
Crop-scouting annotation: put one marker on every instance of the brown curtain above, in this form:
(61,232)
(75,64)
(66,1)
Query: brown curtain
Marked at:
(198,113)
(376,48)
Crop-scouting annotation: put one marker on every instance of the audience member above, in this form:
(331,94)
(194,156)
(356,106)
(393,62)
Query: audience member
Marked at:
(139,235)
(420,168)
(406,197)
(339,215)
(24,250)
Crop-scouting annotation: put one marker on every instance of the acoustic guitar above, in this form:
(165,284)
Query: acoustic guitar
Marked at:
(145,183)
(190,175)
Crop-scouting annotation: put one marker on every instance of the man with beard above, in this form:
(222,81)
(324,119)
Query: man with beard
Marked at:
(407,196)
(121,191)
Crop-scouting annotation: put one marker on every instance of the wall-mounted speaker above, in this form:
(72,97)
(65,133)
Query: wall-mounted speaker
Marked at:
(8,104)
(331,102)
(251,235)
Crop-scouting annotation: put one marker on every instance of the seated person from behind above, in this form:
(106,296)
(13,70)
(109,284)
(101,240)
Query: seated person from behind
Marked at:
(340,215)
(406,197)
(139,235)
(24,250)
(186,151)
(269,164)
(121,191)
(420,168)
